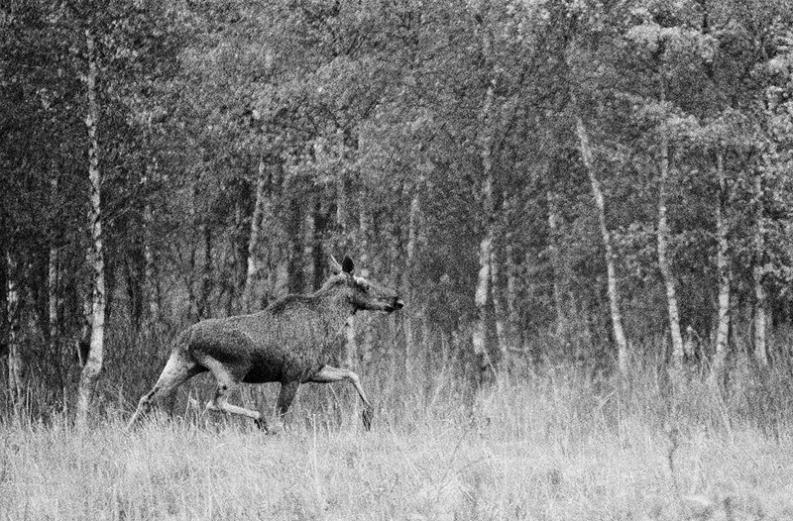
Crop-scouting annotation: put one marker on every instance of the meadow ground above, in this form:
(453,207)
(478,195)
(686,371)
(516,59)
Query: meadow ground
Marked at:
(554,447)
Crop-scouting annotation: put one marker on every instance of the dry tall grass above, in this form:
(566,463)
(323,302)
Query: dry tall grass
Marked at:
(558,445)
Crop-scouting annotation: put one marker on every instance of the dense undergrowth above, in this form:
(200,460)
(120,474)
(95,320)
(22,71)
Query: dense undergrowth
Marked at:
(549,441)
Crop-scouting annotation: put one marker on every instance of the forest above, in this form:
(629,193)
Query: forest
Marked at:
(588,196)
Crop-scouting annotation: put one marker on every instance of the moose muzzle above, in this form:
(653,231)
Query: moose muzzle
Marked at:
(396,304)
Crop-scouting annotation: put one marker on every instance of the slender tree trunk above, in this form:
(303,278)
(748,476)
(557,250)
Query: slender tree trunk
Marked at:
(481,298)
(309,243)
(53,294)
(53,300)
(498,307)
(150,268)
(663,258)
(342,212)
(480,337)
(253,261)
(724,274)
(408,319)
(5,319)
(15,367)
(556,261)
(151,286)
(366,226)
(511,268)
(616,315)
(93,364)
(204,305)
(295,239)
(760,351)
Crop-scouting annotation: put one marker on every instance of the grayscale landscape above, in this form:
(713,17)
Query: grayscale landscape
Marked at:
(396,260)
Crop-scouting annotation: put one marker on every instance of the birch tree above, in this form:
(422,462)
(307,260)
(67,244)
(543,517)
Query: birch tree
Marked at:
(482,350)
(587,157)
(758,274)
(724,273)
(93,365)
(254,240)
(663,255)
(554,249)
(12,312)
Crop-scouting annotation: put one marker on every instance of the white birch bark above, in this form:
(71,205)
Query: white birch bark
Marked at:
(253,263)
(93,364)
(15,368)
(760,350)
(511,268)
(365,228)
(309,240)
(204,306)
(663,257)
(479,337)
(724,275)
(413,223)
(498,307)
(150,271)
(149,268)
(613,292)
(556,261)
(53,298)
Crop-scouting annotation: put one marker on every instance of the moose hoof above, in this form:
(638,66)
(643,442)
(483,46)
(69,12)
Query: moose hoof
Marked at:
(275,428)
(261,424)
(366,416)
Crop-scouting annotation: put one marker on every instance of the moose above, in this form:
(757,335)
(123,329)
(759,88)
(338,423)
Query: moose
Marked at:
(291,341)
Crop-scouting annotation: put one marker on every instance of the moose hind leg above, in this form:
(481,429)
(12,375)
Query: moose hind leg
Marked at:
(177,370)
(330,374)
(226,384)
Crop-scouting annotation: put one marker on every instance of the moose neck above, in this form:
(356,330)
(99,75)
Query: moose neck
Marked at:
(336,305)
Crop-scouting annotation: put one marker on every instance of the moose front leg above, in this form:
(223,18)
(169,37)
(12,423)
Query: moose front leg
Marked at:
(285,398)
(330,374)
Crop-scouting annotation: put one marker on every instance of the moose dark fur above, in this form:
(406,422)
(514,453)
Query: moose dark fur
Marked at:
(291,342)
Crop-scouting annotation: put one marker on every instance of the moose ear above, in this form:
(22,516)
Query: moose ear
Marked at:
(335,267)
(346,265)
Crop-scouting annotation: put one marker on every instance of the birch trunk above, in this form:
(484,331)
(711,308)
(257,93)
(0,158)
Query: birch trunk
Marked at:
(413,223)
(498,307)
(724,274)
(760,351)
(150,270)
(93,364)
(366,226)
(204,306)
(480,337)
(512,274)
(53,299)
(556,261)
(663,258)
(342,212)
(14,353)
(149,264)
(309,243)
(613,294)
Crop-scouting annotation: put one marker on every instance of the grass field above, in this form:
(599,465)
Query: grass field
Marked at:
(557,446)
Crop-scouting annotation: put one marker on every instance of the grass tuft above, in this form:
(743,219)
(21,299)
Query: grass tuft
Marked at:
(560,445)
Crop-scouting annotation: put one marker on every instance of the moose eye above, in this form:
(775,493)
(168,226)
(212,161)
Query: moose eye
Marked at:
(362,284)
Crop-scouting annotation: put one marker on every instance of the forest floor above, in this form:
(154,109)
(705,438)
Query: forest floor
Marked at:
(550,449)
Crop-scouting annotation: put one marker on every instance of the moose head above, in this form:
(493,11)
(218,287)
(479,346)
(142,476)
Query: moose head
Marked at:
(363,293)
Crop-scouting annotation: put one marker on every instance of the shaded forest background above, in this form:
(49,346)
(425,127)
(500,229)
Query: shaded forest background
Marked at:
(546,182)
